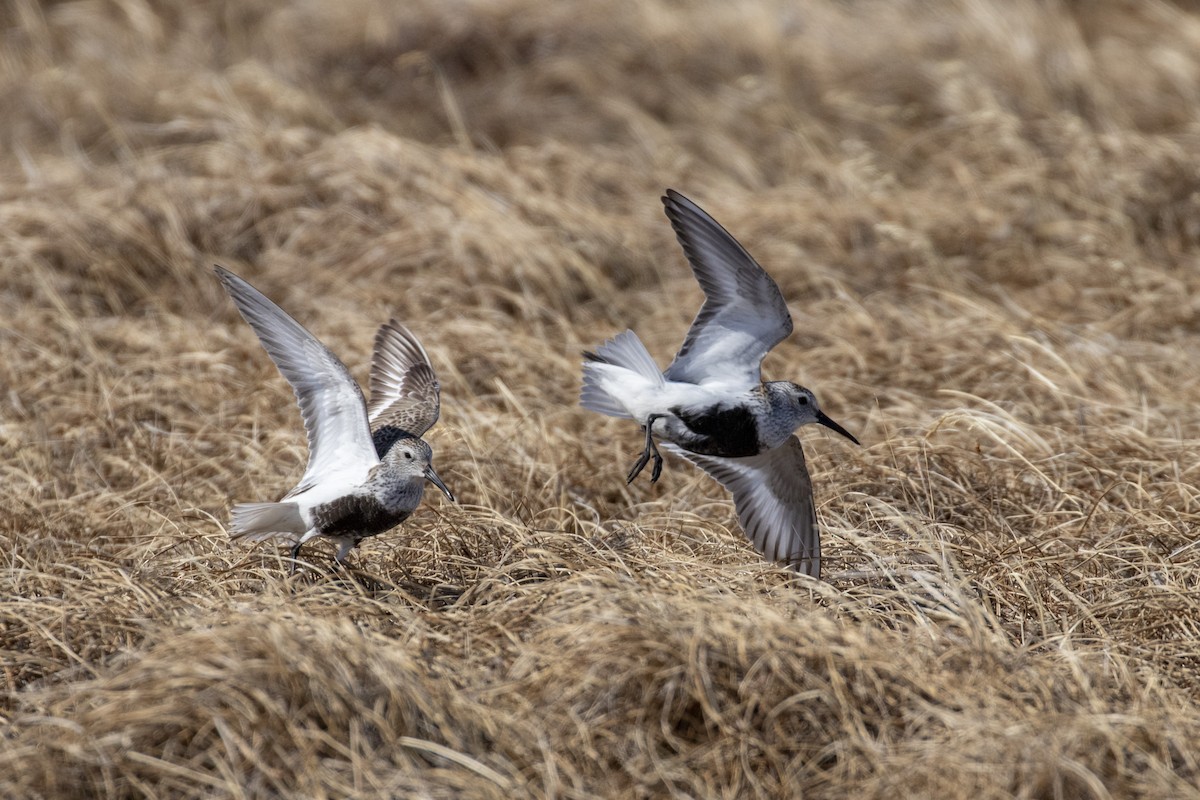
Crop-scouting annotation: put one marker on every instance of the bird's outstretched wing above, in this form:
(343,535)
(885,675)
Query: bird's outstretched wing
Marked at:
(405,393)
(743,315)
(772,494)
(340,450)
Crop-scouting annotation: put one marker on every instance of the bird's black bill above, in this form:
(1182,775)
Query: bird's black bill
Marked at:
(436,481)
(828,423)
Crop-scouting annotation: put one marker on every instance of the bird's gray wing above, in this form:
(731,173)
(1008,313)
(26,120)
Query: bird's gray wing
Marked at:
(405,391)
(772,494)
(743,315)
(331,404)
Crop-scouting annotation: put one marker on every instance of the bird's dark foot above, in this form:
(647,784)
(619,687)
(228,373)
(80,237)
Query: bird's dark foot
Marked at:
(295,558)
(656,470)
(651,451)
(638,466)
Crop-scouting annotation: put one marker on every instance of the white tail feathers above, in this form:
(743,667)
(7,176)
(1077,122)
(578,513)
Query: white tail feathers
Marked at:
(624,351)
(259,521)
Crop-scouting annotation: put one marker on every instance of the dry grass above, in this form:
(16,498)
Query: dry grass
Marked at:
(985,216)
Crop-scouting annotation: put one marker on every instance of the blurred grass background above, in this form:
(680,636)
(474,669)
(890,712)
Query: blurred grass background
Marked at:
(984,216)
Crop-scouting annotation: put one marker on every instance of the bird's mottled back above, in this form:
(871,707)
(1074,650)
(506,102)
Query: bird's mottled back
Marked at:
(405,393)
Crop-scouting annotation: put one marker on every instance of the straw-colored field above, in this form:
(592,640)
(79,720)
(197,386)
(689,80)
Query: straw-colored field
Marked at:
(985,218)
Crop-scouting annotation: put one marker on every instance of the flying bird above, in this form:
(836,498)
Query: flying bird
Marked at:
(711,405)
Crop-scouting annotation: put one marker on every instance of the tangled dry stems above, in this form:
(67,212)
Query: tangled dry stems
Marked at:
(984,217)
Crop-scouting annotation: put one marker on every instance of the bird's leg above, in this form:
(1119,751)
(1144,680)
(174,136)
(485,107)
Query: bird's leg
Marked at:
(295,557)
(344,547)
(651,451)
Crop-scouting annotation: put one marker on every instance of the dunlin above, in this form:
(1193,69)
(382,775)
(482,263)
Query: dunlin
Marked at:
(367,465)
(711,405)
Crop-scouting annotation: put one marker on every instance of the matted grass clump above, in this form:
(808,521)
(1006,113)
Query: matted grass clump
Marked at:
(985,219)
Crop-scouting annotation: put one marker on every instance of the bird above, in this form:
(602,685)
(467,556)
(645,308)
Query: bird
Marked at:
(367,463)
(711,405)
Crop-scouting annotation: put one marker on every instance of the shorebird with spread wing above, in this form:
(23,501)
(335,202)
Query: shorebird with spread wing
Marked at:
(711,405)
(367,464)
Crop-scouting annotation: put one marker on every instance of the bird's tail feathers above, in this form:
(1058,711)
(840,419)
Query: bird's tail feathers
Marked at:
(625,351)
(594,397)
(256,522)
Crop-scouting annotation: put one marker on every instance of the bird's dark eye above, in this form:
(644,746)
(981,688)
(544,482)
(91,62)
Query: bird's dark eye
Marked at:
(408,455)
(802,400)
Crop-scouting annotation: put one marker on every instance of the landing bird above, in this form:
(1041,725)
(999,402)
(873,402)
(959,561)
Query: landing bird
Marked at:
(711,405)
(367,464)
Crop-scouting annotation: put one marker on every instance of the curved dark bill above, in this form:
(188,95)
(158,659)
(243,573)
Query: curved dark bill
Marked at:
(828,423)
(436,481)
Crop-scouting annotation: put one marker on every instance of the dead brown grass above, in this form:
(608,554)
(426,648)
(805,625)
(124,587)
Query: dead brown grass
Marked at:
(986,218)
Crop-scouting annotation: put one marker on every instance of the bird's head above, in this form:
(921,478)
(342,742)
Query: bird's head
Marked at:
(415,457)
(803,405)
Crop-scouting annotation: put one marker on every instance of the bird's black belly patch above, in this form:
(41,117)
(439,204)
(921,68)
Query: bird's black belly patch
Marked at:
(359,516)
(726,433)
